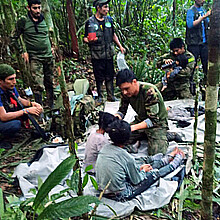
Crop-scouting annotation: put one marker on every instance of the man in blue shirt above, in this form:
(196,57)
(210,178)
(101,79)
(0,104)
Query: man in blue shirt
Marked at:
(196,33)
(10,111)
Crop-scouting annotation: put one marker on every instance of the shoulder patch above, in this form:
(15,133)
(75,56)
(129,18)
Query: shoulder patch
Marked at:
(151,91)
(191,59)
(108,24)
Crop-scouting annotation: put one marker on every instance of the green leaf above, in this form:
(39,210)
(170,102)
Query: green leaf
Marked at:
(1,203)
(90,167)
(1,151)
(98,218)
(111,209)
(94,183)
(85,180)
(75,181)
(53,179)
(69,208)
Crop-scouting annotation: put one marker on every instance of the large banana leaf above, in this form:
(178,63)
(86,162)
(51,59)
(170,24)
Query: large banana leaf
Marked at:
(69,208)
(54,179)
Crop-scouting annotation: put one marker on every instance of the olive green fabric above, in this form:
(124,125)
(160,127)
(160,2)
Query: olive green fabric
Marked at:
(5,71)
(179,86)
(42,74)
(37,43)
(148,104)
(96,2)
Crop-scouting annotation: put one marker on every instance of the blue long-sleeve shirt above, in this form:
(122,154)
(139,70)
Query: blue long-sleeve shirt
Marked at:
(190,19)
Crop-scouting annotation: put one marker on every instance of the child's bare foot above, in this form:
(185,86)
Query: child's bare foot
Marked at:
(181,153)
(174,152)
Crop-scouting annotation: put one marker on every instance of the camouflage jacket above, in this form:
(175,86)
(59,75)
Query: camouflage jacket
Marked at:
(147,104)
(184,74)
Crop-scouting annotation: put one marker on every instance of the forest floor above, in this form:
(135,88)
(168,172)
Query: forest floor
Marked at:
(25,147)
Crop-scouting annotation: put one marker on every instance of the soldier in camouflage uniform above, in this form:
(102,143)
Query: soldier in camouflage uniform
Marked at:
(178,86)
(35,33)
(151,120)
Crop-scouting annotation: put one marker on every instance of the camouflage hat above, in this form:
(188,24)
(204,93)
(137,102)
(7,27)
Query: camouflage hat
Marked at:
(96,2)
(5,71)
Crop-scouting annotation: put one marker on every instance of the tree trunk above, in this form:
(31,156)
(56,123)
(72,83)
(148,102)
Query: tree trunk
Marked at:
(69,121)
(72,29)
(7,22)
(196,114)
(210,111)
(174,15)
(142,19)
(48,19)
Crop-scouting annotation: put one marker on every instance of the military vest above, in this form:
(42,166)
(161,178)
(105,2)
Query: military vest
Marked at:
(194,34)
(9,103)
(103,48)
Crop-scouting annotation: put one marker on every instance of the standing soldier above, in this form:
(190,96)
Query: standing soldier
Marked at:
(102,48)
(38,51)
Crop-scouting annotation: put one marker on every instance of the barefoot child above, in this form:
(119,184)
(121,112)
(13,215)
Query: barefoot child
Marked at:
(128,179)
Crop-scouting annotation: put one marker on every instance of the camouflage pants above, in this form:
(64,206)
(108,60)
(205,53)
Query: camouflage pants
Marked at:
(175,90)
(42,74)
(156,139)
(42,77)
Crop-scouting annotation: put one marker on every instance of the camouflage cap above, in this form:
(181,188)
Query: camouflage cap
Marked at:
(5,71)
(96,2)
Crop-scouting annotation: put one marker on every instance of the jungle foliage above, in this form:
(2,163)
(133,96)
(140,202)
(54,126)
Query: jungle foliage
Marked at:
(145,29)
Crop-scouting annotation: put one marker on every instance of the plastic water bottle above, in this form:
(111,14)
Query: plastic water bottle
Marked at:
(121,61)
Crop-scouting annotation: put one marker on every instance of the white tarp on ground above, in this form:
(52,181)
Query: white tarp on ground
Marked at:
(187,132)
(155,197)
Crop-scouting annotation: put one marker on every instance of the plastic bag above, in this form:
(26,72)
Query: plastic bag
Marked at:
(121,61)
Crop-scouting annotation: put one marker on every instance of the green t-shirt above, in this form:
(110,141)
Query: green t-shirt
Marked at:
(36,40)
(116,164)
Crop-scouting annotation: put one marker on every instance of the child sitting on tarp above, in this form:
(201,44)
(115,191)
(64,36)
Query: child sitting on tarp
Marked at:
(97,140)
(128,179)
(179,64)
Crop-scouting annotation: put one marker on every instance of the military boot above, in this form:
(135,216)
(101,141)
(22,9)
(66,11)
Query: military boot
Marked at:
(99,101)
(50,97)
(110,91)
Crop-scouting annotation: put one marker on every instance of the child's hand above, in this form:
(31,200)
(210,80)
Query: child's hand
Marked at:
(146,167)
(163,88)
